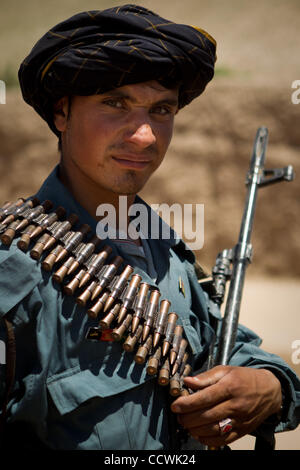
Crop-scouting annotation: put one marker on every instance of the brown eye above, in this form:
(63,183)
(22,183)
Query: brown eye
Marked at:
(114,103)
(161,110)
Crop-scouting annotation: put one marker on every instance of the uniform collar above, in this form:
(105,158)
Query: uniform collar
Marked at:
(54,190)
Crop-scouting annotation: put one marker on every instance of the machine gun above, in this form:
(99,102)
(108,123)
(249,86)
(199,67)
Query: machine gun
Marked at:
(231,264)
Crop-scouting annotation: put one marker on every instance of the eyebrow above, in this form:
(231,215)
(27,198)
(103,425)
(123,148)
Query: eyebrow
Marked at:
(132,99)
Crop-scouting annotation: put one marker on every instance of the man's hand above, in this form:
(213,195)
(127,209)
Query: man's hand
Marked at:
(247,396)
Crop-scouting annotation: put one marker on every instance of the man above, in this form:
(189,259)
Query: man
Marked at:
(109,84)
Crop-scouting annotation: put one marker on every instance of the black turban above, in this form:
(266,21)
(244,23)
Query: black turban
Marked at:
(95,51)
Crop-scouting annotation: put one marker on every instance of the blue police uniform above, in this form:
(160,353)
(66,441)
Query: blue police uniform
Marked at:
(72,393)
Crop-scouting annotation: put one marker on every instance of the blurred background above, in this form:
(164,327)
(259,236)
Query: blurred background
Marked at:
(258,60)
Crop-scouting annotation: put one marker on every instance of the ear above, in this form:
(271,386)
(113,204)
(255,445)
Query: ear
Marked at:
(61,112)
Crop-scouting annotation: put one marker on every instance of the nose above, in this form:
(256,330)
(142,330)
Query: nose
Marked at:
(141,136)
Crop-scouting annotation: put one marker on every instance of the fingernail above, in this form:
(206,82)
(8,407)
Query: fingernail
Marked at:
(175,408)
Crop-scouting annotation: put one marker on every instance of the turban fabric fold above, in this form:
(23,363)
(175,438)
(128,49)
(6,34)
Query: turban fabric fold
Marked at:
(96,51)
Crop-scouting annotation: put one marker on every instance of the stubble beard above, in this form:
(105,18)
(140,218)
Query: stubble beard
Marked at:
(128,184)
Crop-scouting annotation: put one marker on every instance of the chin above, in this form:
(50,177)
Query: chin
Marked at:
(131,186)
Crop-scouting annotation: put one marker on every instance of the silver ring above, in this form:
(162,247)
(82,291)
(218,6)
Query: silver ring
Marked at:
(225,426)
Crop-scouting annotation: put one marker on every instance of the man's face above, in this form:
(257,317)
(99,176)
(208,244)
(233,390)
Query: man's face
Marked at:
(116,140)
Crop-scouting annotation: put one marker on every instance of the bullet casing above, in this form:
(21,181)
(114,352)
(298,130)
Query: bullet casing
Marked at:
(150,312)
(175,385)
(161,321)
(169,332)
(164,373)
(118,286)
(153,362)
(143,351)
(38,248)
(139,304)
(183,364)
(176,343)
(187,370)
(118,332)
(9,207)
(98,306)
(121,296)
(87,249)
(106,276)
(180,354)
(130,293)
(110,317)
(60,274)
(132,339)
(61,229)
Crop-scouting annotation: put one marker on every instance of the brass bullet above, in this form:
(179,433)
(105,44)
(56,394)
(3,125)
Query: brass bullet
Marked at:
(169,332)
(72,242)
(143,351)
(106,276)
(164,373)
(24,242)
(94,264)
(153,362)
(118,287)
(118,332)
(71,287)
(176,343)
(83,298)
(183,363)
(132,339)
(25,239)
(8,208)
(9,234)
(129,295)
(38,248)
(59,213)
(97,307)
(175,385)
(139,304)
(187,370)
(18,210)
(34,212)
(59,275)
(85,251)
(50,260)
(111,316)
(14,210)
(60,230)
(161,321)
(179,358)
(150,312)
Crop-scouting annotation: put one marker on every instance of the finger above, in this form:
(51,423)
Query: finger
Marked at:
(207,416)
(209,430)
(202,399)
(218,441)
(205,379)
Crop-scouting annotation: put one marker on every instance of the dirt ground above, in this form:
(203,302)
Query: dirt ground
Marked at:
(258,59)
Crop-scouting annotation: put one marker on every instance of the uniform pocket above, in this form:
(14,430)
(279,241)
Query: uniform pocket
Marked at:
(75,387)
(19,275)
(100,412)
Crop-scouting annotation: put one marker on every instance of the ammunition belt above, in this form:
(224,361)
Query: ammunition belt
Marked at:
(130,308)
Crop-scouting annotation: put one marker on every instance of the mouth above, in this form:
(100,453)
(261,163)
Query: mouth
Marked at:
(136,162)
